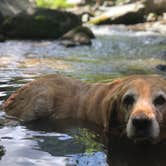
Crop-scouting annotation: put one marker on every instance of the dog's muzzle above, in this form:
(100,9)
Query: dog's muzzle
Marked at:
(141,127)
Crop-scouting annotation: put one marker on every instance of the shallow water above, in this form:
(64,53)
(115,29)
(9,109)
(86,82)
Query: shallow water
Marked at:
(69,143)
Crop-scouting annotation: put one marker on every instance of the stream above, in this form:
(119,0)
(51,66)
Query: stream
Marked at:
(113,54)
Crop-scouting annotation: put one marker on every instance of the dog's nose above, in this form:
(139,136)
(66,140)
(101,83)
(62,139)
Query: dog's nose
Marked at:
(141,122)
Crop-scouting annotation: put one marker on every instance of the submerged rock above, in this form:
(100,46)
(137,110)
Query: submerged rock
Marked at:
(78,36)
(161,67)
(43,23)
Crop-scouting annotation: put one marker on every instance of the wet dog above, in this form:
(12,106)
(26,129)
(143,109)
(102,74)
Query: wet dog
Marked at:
(136,104)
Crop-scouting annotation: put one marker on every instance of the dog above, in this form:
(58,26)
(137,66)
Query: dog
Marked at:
(136,103)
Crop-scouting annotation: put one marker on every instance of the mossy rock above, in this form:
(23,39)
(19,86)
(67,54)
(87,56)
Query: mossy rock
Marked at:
(44,23)
(78,30)
(80,35)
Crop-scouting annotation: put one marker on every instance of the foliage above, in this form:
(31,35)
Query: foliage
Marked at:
(88,139)
(64,4)
(120,1)
(52,3)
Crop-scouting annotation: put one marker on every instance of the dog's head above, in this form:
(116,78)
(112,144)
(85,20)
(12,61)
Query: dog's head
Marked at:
(139,104)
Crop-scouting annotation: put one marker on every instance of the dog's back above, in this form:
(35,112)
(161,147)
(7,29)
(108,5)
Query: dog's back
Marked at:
(40,98)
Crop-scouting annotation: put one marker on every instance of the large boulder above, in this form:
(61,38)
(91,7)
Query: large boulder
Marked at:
(43,23)
(123,14)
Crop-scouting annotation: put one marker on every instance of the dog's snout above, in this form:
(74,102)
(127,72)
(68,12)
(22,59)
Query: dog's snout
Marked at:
(142,126)
(141,122)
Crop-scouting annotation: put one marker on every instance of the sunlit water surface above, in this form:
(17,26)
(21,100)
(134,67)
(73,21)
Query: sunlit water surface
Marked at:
(71,143)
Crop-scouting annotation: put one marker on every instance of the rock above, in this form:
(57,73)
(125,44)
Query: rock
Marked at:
(151,17)
(161,67)
(76,2)
(164,16)
(1,18)
(2,38)
(79,39)
(159,26)
(155,6)
(79,29)
(123,14)
(1,21)
(13,7)
(43,23)
(79,36)
(2,151)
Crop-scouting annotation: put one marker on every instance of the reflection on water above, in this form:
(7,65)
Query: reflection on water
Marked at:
(123,152)
(59,145)
(68,142)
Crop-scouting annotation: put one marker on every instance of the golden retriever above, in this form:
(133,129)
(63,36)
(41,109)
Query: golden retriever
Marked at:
(137,103)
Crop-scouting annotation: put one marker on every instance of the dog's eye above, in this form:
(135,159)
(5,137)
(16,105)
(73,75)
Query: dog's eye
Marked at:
(128,100)
(159,100)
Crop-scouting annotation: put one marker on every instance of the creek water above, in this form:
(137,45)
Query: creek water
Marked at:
(76,143)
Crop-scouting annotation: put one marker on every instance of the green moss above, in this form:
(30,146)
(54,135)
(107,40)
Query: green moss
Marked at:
(40,17)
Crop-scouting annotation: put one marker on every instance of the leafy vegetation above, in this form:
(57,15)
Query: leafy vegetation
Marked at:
(88,139)
(64,4)
(52,3)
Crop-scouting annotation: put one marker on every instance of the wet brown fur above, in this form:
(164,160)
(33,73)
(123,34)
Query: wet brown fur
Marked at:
(59,97)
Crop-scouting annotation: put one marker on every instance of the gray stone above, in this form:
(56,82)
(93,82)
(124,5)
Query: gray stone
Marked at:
(78,36)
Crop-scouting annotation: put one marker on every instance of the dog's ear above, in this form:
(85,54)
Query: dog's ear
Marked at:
(113,115)
(111,106)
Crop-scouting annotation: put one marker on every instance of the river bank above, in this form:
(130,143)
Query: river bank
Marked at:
(27,21)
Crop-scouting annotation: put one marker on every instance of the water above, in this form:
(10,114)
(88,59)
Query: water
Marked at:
(74,143)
